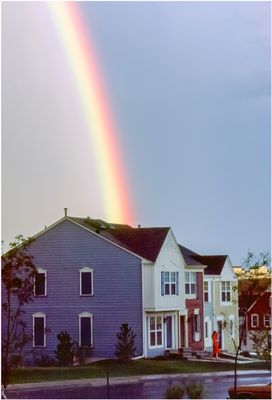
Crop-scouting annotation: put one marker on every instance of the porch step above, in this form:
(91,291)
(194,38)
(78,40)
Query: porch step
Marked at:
(202,354)
(186,353)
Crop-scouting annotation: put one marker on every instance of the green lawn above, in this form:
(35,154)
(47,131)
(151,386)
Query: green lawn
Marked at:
(118,369)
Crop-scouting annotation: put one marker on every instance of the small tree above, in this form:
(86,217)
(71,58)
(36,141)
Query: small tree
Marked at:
(64,352)
(262,345)
(125,348)
(18,272)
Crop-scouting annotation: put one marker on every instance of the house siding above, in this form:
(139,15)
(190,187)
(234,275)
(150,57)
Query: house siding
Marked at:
(117,288)
(191,306)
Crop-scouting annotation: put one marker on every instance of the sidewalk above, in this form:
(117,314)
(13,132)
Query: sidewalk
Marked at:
(124,380)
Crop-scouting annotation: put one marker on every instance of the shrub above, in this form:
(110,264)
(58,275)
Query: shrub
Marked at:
(64,352)
(195,391)
(82,353)
(174,392)
(125,348)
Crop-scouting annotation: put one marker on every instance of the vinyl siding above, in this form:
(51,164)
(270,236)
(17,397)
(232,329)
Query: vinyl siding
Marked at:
(117,288)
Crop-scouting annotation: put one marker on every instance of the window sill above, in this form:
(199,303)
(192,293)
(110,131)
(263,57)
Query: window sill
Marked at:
(86,295)
(190,297)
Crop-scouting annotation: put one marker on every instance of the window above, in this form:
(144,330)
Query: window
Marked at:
(85,329)
(231,326)
(169,283)
(190,283)
(206,330)
(39,325)
(40,286)
(254,320)
(206,292)
(155,331)
(86,281)
(225,291)
(267,321)
(196,327)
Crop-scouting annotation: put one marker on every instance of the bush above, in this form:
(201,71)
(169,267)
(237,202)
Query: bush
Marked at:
(174,392)
(82,353)
(195,391)
(125,347)
(64,352)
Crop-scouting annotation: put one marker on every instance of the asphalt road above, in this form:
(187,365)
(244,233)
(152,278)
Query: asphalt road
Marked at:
(216,388)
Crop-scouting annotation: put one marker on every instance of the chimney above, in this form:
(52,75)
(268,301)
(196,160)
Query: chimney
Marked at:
(65,212)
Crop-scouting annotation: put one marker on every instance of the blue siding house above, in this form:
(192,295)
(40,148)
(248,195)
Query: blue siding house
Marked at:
(86,285)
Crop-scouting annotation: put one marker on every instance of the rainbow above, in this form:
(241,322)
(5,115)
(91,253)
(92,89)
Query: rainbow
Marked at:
(83,60)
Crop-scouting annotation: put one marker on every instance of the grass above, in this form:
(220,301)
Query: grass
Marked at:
(118,369)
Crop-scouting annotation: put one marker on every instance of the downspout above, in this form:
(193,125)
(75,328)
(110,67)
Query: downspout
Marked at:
(144,318)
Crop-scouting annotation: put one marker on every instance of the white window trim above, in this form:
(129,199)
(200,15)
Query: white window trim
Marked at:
(156,330)
(225,303)
(209,291)
(253,325)
(41,271)
(38,315)
(85,315)
(170,283)
(190,295)
(85,269)
(269,321)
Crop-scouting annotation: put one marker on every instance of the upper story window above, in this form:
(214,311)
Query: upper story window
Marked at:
(267,320)
(39,331)
(169,283)
(86,281)
(254,320)
(225,291)
(206,291)
(190,283)
(85,329)
(40,286)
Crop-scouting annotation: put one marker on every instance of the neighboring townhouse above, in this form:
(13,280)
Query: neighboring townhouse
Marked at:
(164,312)
(220,290)
(221,301)
(86,285)
(255,316)
(194,300)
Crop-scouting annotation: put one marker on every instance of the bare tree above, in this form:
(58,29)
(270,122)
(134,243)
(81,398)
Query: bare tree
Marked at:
(18,274)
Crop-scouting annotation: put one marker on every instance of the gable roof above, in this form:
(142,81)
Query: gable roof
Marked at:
(214,264)
(264,298)
(189,256)
(245,302)
(145,242)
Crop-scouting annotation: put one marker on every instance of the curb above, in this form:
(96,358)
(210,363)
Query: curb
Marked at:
(96,382)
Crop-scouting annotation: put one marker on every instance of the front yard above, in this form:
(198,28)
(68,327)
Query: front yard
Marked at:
(118,369)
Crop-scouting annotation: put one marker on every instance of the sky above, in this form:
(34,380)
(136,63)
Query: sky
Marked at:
(188,85)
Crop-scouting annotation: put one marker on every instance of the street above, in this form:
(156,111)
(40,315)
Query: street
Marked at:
(216,387)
